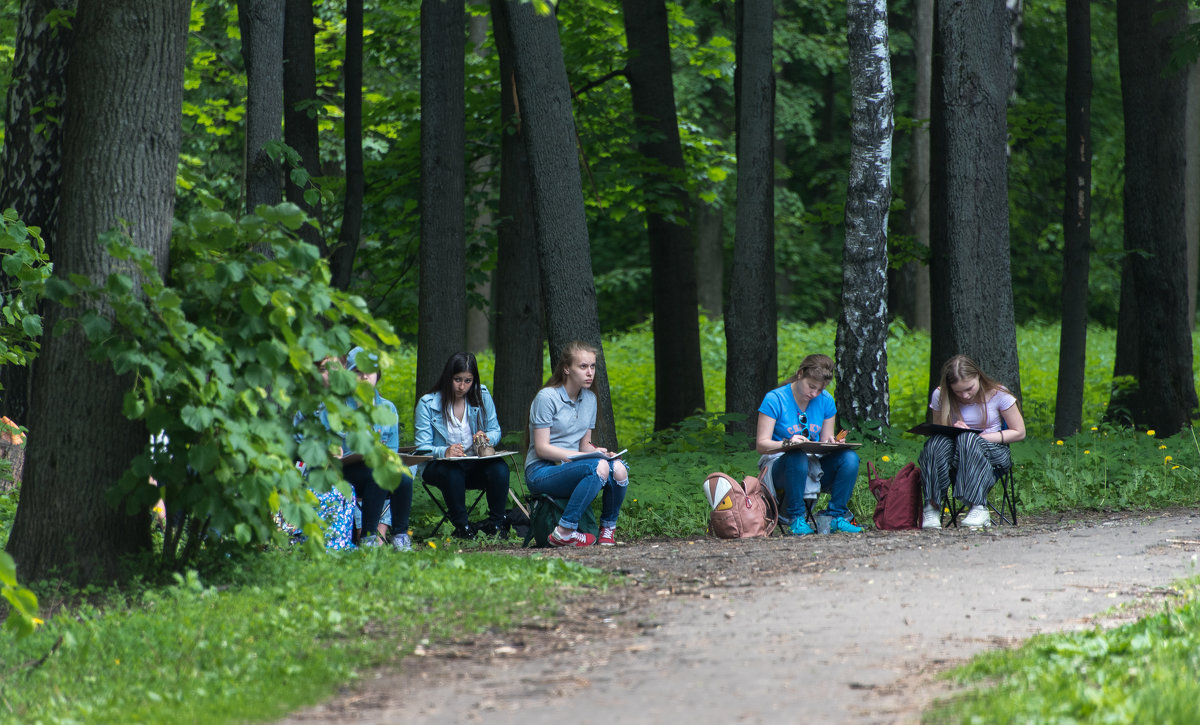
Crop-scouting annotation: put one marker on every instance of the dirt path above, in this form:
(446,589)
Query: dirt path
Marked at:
(844,628)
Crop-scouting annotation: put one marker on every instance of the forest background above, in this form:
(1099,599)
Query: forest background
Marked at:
(212,323)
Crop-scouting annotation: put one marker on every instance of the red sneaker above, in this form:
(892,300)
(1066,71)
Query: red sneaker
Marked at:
(576,538)
(608,536)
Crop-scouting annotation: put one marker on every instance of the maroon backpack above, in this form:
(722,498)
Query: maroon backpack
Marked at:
(898,499)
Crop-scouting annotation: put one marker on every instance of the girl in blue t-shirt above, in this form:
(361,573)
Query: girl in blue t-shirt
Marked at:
(802,410)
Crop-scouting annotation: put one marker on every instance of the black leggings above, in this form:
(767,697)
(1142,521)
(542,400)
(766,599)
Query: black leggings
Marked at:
(455,477)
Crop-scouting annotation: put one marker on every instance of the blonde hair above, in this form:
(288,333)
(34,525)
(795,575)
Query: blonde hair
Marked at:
(817,368)
(567,357)
(956,370)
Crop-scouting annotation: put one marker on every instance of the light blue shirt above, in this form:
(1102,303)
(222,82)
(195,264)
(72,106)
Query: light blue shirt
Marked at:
(431,426)
(568,420)
(780,404)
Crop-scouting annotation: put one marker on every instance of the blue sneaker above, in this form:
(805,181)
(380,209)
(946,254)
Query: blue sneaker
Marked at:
(800,527)
(840,524)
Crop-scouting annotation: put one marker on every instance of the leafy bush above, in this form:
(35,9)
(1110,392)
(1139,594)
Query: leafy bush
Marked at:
(223,357)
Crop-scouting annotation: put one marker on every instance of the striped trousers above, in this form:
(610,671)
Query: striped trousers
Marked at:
(971,461)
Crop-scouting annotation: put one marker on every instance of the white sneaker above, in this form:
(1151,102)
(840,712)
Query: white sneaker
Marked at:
(932,518)
(402,542)
(977,517)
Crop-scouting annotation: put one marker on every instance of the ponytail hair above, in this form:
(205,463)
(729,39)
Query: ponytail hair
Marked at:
(817,368)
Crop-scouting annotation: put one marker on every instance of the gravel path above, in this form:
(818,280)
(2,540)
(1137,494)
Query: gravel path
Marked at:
(842,628)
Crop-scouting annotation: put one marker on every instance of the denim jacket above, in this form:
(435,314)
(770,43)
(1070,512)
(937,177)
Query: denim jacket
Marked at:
(431,426)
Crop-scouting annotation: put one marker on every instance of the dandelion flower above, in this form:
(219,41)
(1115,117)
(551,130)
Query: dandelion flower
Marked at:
(1085,452)
(1174,467)
(1095,428)
(1168,459)
(432,544)
(635,500)
(1150,432)
(1162,447)
(1058,443)
(886,459)
(38,622)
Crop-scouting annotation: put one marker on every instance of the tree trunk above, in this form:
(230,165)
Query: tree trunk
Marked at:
(1154,273)
(862,380)
(478,325)
(519,350)
(909,295)
(564,255)
(752,355)
(971,281)
(1077,221)
(710,258)
(341,262)
(443,303)
(261,24)
(678,374)
(300,106)
(32,162)
(121,140)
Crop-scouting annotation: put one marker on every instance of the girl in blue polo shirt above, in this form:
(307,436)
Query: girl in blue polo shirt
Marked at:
(802,410)
(561,420)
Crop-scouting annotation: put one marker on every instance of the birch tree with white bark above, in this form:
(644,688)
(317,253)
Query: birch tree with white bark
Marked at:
(862,381)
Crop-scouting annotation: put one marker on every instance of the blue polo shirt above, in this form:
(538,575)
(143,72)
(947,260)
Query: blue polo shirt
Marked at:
(567,420)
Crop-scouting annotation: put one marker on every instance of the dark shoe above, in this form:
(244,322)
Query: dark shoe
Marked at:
(492,528)
(464,532)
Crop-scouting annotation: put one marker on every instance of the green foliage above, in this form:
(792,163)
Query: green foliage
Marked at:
(26,268)
(220,360)
(281,633)
(1135,673)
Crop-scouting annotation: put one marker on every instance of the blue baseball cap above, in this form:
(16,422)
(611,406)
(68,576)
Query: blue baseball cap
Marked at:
(350,358)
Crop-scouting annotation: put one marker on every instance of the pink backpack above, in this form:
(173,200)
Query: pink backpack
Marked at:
(740,510)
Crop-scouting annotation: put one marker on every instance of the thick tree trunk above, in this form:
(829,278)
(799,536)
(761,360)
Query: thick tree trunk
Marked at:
(300,110)
(862,379)
(121,142)
(1077,221)
(1155,274)
(32,162)
(261,24)
(341,262)
(908,296)
(443,303)
(752,355)
(564,255)
(971,281)
(678,374)
(519,349)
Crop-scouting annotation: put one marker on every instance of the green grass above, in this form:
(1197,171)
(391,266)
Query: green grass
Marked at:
(281,632)
(1144,672)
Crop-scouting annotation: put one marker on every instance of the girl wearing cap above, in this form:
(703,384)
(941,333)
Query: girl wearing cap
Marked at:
(361,477)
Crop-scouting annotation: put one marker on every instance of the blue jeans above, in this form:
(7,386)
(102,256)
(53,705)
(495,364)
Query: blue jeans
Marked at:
(578,482)
(839,471)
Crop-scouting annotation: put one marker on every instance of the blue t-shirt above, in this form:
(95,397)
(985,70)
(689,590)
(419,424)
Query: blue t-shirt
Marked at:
(780,404)
(567,420)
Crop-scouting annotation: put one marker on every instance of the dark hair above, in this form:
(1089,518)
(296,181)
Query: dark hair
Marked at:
(459,362)
(817,368)
(958,369)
